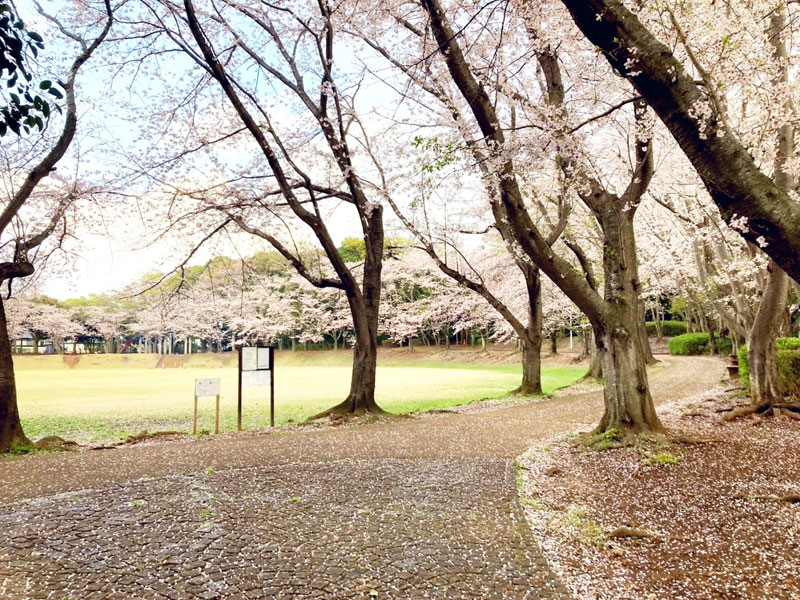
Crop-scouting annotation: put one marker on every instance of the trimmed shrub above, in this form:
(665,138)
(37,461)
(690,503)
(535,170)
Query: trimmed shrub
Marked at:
(671,328)
(788,365)
(692,344)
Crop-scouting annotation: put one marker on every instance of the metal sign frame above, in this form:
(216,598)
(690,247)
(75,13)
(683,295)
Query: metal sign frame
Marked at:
(256,363)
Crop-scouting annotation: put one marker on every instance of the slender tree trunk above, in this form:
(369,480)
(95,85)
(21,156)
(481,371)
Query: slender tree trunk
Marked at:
(364,308)
(712,340)
(531,338)
(554,343)
(10,427)
(596,363)
(584,353)
(658,320)
(649,359)
(765,385)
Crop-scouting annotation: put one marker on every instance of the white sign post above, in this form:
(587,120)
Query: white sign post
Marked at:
(256,367)
(203,388)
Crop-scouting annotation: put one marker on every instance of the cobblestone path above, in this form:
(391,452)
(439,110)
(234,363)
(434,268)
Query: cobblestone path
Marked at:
(422,508)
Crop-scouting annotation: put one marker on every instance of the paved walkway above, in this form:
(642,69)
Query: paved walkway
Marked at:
(422,508)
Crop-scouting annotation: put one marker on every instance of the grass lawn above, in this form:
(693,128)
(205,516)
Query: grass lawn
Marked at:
(110,397)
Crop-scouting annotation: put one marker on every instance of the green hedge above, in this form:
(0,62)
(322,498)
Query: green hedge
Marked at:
(670,328)
(788,365)
(692,344)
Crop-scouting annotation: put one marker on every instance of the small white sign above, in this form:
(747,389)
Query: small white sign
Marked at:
(249,359)
(263,358)
(206,387)
(256,378)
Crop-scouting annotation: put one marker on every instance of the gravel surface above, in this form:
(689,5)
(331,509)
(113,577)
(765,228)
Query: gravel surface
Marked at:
(417,508)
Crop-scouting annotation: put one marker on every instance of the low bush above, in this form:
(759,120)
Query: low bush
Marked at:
(788,365)
(692,344)
(670,328)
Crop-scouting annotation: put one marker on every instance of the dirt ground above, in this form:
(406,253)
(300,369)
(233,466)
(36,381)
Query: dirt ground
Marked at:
(677,521)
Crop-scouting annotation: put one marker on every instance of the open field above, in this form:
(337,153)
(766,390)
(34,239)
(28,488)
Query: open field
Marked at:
(107,397)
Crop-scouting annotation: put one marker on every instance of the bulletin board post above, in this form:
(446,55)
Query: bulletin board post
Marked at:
(256,364)
(239,399)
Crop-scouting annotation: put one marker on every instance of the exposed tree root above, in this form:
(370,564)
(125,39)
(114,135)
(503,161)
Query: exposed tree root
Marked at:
(520,391)
(145,435)
(691,440)
(765,409)
(791,497)
(53,443)
(614,438)
(348,409)
(630,532)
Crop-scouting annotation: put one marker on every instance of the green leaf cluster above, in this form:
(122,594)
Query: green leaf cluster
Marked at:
(27,105)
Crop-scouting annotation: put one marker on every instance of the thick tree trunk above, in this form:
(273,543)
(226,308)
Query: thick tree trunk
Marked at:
(11,433)
(765,385)
(628,405)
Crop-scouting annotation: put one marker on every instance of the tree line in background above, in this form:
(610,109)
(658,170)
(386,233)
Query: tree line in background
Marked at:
(261,300)
(554,158)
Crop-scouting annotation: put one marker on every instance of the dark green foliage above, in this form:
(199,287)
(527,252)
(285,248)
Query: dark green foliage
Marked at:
(788,365)
(671,328)
(692,344)
(23,107)
(724,345)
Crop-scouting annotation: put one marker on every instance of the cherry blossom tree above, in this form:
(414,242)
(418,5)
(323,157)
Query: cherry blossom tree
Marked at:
(676,79)
(20,235)
(616,313)
(290,47)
